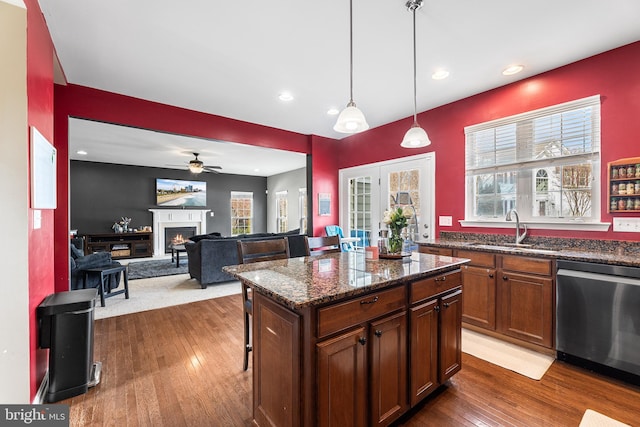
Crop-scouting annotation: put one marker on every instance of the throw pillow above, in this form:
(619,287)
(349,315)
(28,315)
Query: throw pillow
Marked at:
(75,252)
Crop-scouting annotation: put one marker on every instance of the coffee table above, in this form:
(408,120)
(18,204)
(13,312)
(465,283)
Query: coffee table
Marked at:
(176,249)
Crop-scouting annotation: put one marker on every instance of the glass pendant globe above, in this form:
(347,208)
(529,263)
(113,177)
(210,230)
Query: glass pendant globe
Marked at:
(351,120)
(416,137)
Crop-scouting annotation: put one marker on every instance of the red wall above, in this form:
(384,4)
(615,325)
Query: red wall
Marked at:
(615,75)
(324,160)
(40,115)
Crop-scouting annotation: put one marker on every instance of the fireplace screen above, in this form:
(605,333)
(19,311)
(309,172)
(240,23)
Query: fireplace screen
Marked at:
(176,236)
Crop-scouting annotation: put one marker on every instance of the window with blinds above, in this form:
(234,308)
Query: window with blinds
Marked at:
(544,163)
(281,212)
(241,212)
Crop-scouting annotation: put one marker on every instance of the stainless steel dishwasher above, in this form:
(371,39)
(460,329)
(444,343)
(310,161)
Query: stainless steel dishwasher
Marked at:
(598,318)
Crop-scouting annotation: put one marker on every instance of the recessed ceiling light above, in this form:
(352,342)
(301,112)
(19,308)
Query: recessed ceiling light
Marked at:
(440,74)
(512,69)
(333,111)
(81,152)
(285,96)
(256,170)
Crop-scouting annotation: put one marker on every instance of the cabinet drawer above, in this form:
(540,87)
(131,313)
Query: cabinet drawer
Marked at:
(428,288)
(527,265)
(479,259)
(344,315)
(435,251)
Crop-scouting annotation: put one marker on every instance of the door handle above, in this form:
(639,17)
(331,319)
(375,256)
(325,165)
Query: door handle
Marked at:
(370,301)
(378,333)
(362,340)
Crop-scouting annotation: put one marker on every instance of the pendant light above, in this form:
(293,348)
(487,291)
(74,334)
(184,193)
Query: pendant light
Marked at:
(351,119)
(416,137)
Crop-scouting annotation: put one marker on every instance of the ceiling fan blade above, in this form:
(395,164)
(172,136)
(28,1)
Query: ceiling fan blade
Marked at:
(213,167)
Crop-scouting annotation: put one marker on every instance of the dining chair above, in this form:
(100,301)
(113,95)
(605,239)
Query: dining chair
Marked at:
(336,230)
(250,251)
(323,245)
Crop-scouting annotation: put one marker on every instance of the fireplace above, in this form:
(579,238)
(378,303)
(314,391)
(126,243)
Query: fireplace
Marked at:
(174,218)
(177,236)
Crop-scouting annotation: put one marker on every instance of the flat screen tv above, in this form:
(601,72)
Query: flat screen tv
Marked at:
(176,192)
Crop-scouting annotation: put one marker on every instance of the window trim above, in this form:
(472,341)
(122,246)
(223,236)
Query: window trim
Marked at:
(593,157)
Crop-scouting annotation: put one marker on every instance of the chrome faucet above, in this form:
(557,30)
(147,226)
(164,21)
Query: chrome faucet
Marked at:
(519,237)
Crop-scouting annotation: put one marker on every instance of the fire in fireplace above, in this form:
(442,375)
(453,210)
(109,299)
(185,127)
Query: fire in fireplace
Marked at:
(176,236)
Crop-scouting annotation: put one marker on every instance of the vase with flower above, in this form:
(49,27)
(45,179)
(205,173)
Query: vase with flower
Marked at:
(396,220)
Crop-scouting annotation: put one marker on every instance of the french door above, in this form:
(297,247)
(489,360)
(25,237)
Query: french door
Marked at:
(367,191)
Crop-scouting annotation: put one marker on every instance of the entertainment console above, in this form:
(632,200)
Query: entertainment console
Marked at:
(121,245)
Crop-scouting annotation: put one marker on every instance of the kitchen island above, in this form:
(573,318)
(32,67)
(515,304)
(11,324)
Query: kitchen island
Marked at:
(344,341)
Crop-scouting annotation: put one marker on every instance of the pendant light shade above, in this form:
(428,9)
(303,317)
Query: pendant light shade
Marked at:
(416,137)
(351,119)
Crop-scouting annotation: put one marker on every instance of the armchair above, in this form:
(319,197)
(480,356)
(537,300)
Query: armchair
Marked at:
(79,262)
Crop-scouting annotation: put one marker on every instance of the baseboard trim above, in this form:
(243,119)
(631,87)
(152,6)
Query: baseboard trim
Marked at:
(39,398)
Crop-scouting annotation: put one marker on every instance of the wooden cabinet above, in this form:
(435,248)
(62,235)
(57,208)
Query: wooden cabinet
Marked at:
(347,363)
(342,380)
(436,321)
(450,339)
(623,185)
(526,299)
(343,374)
(509,294)
(479,286)
(121,245)
(435,250)
(276,366)
(373,355)
(388,348)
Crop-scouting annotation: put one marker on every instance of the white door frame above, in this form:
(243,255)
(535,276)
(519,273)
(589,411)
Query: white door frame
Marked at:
(427,185)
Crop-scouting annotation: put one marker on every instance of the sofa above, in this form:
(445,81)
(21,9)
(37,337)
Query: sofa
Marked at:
(78,262)
(209,253)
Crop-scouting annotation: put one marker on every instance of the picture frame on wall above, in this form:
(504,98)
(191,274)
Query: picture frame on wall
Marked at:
(324,204)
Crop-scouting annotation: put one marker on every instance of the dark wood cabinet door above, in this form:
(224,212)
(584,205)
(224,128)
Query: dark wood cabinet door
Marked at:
(388,338)
(526,307)
(342,379)
(276,364)
(450,335)
(479,302)
(424,351)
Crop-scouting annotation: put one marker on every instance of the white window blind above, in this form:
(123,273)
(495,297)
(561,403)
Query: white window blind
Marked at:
(545,163)
(562,134)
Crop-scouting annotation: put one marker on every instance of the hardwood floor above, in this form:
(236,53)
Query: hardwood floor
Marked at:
(182,366)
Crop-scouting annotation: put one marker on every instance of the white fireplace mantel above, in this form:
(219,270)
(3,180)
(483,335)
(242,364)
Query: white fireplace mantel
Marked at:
(163,218)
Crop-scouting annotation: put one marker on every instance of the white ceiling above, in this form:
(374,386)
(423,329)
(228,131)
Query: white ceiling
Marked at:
(233,58)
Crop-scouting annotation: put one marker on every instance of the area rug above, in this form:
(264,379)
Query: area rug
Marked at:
(596,419)
(157,268)
(159,292)
(510,356)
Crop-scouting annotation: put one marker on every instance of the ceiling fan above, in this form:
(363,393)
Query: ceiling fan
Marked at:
(197,166)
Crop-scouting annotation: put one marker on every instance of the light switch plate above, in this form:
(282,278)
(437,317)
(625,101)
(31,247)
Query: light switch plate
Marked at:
(627,224)
(445,221)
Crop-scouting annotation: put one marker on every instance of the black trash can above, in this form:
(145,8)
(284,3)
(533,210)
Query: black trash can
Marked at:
(66,329)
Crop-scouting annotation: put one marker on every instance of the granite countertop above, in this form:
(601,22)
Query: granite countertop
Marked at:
(585,250)
(309,281)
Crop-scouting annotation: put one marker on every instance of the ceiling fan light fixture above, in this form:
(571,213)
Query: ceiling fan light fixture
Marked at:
(351,120)
(196,166)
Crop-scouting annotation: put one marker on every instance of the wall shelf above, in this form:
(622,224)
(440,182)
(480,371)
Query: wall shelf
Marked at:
(623,185)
